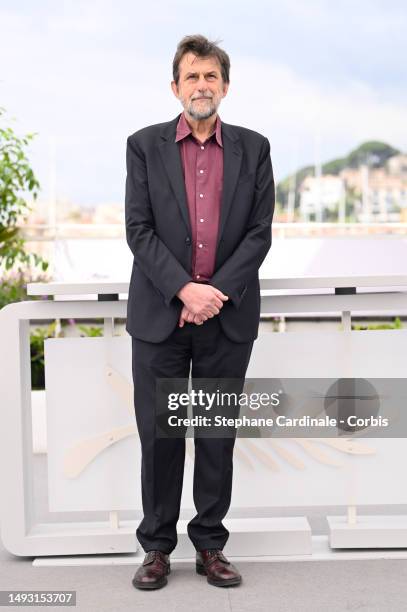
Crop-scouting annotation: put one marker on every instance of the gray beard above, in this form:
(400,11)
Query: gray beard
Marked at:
(204,114)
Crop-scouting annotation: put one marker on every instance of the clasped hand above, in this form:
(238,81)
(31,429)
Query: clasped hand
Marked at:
(201,302)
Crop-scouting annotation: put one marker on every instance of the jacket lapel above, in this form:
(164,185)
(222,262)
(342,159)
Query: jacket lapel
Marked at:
(232,158)
(171,157)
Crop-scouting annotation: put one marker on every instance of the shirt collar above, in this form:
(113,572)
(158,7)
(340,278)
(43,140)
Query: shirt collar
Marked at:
(184,129)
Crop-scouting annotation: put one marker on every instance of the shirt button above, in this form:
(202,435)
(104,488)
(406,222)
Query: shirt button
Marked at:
(201,195)
(200,246)
(201,220)
(198,276)
(201,171)
(202,148)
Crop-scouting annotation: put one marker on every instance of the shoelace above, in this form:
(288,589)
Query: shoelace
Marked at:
(215,553)
(154,554)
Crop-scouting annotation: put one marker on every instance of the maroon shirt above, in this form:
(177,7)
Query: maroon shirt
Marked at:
(203,174)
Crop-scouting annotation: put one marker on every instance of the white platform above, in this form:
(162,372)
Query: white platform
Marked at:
(260,536)
(321,551)
(250,537)
(377,531)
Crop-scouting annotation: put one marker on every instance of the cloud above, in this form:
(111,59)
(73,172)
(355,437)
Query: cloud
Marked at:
(89,77)
(293,112)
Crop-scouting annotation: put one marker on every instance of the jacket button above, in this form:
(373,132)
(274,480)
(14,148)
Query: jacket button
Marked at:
(188,240)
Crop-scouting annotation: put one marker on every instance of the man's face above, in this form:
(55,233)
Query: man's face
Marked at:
(200,86)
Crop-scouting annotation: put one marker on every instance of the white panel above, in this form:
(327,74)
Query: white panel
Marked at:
(81,405)
(357,479)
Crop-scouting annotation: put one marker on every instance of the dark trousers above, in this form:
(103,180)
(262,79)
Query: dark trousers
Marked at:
(162,469)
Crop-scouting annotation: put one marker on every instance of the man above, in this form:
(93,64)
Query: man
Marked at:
(199,207)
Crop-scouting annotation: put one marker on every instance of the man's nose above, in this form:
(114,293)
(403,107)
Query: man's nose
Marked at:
(201,82)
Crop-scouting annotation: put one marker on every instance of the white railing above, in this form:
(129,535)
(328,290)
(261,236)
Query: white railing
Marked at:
(107,370)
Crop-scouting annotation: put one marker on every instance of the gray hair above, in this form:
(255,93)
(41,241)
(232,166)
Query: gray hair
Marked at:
(202,47)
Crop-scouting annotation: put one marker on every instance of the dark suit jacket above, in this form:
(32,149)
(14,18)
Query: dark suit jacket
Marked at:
(158,230)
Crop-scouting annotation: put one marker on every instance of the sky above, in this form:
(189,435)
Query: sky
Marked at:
(317,78)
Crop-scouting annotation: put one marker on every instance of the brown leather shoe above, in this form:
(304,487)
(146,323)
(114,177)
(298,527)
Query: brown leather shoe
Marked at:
(152,574)
(219,571)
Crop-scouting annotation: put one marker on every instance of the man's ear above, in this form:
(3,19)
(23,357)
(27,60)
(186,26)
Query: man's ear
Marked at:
(174,89)
(225,89)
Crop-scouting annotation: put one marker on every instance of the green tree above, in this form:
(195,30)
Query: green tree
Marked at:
(17,179)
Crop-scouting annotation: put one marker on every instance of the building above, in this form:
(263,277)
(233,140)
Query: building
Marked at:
(379,194)
(320,194)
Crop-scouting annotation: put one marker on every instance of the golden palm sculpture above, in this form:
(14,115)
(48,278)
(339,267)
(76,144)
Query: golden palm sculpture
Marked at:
(81,454)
